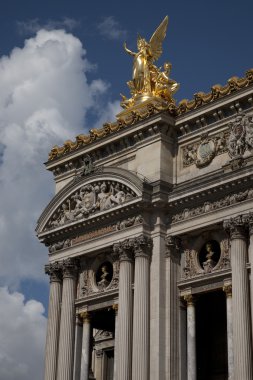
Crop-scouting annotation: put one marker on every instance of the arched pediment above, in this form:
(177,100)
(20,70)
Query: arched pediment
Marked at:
(87,196)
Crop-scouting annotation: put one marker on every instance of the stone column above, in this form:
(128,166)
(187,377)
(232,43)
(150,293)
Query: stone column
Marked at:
(115,308)
(78,348)
(66,341)
(241,299)
(251,264)
(124,333)
(141,316)
(227,288)
(172,308)
(85,358)
(191,338)
(53,324)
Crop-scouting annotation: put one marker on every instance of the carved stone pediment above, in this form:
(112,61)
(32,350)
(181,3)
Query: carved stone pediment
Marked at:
(91,197)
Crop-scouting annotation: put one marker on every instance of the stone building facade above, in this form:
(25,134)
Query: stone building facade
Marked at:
(150,239)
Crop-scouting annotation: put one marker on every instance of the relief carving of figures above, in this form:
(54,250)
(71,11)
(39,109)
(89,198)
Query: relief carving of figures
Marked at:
(90,199)
(236,140)
(249,131)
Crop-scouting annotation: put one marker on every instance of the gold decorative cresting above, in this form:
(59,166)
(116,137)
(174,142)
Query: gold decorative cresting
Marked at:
(150,85)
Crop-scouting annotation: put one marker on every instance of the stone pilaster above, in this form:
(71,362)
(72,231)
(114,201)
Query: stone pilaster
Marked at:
(172,260)
(191,338)
(227,288)
(241,299)
(141,316)
(124,331)
(115,308)
(85,357)
(53,324)
(66,341)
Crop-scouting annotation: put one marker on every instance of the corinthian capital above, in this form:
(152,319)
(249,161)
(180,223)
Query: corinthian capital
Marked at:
(70,267)
(124,249)
(142,246)
(172,244)
(236,227)
(54,270)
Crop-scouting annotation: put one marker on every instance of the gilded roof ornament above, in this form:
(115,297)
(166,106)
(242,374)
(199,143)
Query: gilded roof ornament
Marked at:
(149,84)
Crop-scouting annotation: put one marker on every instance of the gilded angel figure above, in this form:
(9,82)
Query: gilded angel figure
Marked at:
(147,53)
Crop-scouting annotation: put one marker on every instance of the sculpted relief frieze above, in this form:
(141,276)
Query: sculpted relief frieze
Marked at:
(228,200)
(235,141)
(120,225)
(90,199)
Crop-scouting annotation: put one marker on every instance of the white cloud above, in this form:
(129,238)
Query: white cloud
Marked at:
(111,29)
(34,25)
(44,99)
(22,337)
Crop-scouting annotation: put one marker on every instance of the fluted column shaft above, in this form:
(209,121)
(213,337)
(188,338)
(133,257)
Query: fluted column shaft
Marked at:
(251,265)
(228,290)
(191,339)
(85,358)
(78,348)
(240,300)
(140,369)
(66,341)
(116,343)
(172,308)
(124,329)
(53,324)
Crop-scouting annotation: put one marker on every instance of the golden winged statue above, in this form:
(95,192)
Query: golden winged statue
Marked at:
(148,81)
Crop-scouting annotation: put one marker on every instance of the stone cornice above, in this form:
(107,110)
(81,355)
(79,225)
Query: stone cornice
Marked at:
(233,85)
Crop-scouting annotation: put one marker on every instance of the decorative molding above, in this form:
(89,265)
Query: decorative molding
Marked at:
(120,225)
(217,91)
(90,199)
(206,207)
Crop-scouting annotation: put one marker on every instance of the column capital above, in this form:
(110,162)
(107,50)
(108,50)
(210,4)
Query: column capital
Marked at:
(189,299)
(227,288)
(70,267)
(124,249)
(54,270)
(236,227)
(250,221)
(115,307)
(85,316)
(142,246)
(172,244)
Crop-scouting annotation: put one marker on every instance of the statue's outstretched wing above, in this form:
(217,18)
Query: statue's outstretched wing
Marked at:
(157,39)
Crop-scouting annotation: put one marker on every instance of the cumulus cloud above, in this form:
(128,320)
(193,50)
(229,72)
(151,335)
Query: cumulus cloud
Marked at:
(45,96)
(111,29)
(22,337)
(34,25)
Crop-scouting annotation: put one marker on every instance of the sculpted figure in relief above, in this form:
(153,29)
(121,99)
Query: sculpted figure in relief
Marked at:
(90,198)
(236,140)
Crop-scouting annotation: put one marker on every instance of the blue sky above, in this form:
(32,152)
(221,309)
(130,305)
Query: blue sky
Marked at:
(58,84)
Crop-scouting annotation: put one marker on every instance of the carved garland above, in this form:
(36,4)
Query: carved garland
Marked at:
(90,199)
(211,206)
